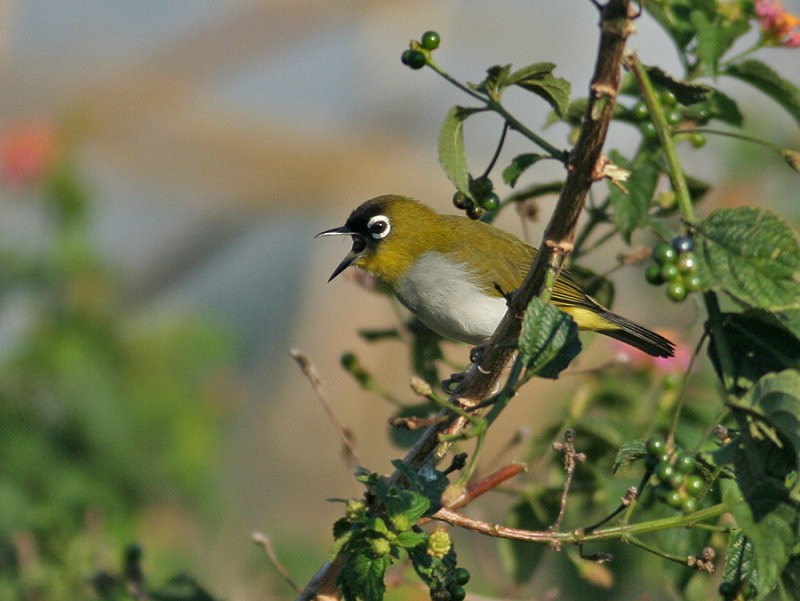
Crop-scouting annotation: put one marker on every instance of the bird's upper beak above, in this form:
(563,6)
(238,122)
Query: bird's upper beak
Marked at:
(358,247)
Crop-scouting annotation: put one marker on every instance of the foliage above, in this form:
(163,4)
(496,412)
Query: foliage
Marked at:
(709,475)
(103,417)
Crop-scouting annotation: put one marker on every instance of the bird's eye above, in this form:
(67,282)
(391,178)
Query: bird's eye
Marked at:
(379,226)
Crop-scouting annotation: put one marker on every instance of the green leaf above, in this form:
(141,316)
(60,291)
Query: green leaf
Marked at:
(740,564)
(762,77)
(426,351)
(495,81)
(631,451)
(549,339)
(752,255)
(518,165)
(410,539)
(674,19)
(428,482)
(452,155)
(539,79)
(725,109)
(631,208)
(758,343)
(521,559)
(362,577)
(715,37)
(776,398)
(687,93)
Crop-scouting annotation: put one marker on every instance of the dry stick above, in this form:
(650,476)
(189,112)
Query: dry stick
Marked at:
(583,168)
(310,372)
(263,541)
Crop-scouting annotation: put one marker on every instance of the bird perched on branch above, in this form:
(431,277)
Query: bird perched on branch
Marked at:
(449,271)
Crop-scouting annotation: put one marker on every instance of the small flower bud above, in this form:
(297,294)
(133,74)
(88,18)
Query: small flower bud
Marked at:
(439,543)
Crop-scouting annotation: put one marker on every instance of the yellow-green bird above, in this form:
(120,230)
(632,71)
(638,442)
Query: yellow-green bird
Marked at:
(448,271)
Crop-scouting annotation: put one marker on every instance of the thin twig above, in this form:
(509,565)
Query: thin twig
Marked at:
(310,372)
(263,541)
(571,459)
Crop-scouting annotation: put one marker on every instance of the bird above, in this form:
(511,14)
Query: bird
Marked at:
(452,272)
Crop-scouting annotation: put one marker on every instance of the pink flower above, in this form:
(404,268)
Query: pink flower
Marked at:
(778,26)
(27,151)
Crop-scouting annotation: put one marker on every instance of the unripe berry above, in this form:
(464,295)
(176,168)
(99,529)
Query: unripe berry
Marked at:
(664,253)
(430,40)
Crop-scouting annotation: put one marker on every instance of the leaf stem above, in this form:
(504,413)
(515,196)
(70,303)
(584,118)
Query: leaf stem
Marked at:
(674,168)
(497,107)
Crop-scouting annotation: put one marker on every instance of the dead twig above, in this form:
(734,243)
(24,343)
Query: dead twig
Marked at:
(263,541)
(310,372)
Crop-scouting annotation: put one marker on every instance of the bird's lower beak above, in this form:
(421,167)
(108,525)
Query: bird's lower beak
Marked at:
(355,252)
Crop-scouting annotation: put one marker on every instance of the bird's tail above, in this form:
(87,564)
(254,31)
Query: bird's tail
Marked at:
(637,336)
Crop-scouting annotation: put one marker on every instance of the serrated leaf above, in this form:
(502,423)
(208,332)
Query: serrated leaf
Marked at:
(631,451)
(452,156)
(758,344)
(740,564)
(715,36)
(539,79)
(428,482)
(687,93)
(549,339)
(776,398)
(518,166)
(762,77)
(362,577)
(631,208)
(752,255)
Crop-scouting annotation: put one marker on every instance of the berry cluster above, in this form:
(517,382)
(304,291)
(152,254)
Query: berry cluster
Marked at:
(482,190)
(416,57)
(456,588)
(676,265)
(679,483)
(676,115)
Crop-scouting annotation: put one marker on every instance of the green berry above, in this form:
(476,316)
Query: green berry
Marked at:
(664,253)
(430,40)
(676,480)
(686,263)
(699,112)
(694,485)
(640,112)
(462,576)
(490,202)
(685,463)
(676,291)
(673,499)
(414,59)
(664,472)
(669,272)
(697,139)
(689,505)
(674,117)
(653,274)
(694,283)
(649,131)
(457,593)
(655,446)
(668,98)
(683,244)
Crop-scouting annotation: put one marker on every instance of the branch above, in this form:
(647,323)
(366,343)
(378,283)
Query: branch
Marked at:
(583,169)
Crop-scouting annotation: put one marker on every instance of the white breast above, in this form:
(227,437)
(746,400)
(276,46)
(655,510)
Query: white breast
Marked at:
(443,296)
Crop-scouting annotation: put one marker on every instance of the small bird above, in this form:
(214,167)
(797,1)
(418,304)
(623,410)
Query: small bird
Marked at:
(449,271)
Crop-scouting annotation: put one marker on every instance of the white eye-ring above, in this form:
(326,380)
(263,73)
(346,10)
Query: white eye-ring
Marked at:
(379,227)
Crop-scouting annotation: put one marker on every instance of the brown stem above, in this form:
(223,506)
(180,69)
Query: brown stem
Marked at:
(583,168)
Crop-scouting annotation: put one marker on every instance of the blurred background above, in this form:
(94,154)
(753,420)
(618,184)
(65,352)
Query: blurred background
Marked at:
(165,167)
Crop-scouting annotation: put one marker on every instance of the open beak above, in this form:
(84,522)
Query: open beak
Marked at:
(358,247)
